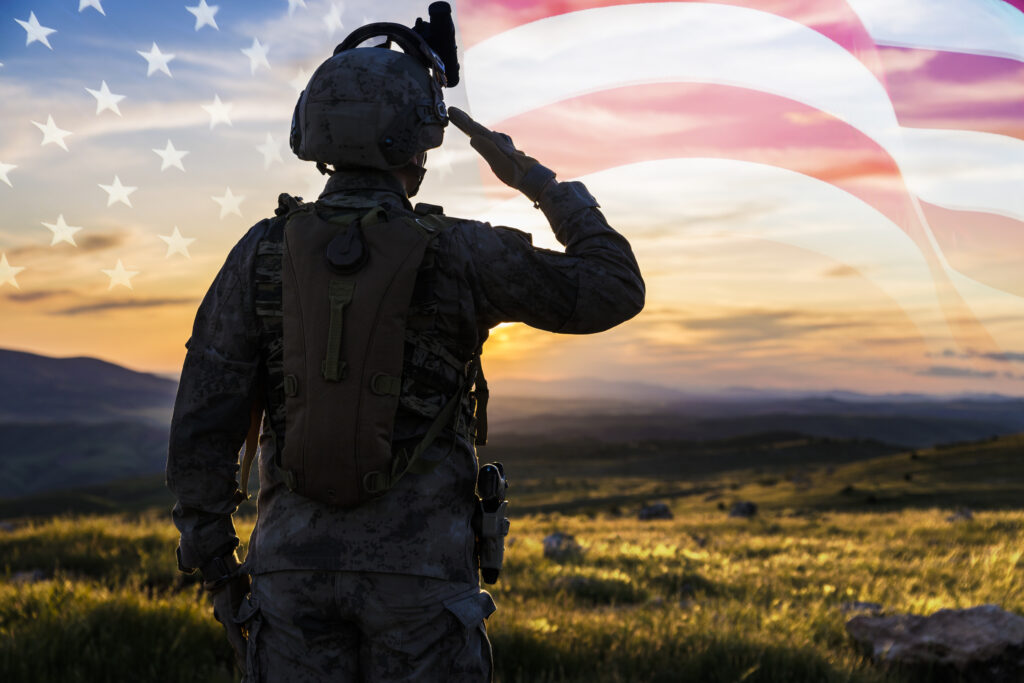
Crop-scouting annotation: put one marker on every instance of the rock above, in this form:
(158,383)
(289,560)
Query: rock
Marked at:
(559,546)
(743,508)
(859,606)
(32,576)
(961,515)
(655,511)
(984,643)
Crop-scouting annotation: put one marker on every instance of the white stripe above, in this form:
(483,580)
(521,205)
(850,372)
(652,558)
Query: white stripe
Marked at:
(573,54)
(965,170)
(983,27)
(1000,312)
(679,203)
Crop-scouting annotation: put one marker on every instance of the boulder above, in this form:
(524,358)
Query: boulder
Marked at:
(743,508)
(655,511)
(873,608)
(31,576)
(961,515)
(984,643)
(559,546)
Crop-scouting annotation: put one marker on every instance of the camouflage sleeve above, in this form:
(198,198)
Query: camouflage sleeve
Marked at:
(212,410)
(593,286)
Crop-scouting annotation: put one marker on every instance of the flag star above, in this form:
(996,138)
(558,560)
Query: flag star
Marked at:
(257,55)
(271,151)
(300,81)
(62,232)
(95,4)
(118,192)
(204,14)
(34,31)
(119,276)
(292,4)
(105,99)
(176,244)
(333,20)
(218,111)
(156,60)
(7,272)
(4,170)
(171,157)
(229,203)
(51,133)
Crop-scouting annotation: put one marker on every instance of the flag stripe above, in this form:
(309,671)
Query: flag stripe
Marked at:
(834,19)
(984,27)
(955,90)
(983,246)
(673,42)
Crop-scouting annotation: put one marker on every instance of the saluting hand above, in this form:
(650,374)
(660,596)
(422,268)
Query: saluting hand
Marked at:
(511,166)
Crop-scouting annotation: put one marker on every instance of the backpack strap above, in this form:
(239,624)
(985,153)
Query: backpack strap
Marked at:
(269,316)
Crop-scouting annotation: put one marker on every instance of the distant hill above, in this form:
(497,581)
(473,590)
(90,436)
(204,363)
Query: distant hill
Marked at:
(986,474)
(74,422)
(78,421)
(43,389)
(782,473)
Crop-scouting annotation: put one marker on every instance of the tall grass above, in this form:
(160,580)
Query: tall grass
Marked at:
(699,598)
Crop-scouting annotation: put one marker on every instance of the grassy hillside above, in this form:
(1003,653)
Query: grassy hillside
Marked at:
(776,470)
(561,475)
(702,597)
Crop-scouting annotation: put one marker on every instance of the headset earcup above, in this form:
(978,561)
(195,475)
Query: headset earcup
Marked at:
(295,137)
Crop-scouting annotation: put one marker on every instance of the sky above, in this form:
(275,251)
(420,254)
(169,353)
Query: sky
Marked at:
(822,194)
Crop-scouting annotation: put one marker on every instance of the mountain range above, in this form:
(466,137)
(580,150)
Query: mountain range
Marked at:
(76,422)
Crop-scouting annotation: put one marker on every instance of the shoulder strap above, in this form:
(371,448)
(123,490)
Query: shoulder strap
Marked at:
(286,204)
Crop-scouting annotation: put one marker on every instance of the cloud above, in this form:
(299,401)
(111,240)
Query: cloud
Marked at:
(952,371)
(760,325)
(114,305)
(842,271)
(42,295)
(997,356)
(101,242)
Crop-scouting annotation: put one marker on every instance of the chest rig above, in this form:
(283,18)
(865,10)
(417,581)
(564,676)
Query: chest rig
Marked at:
(344,342)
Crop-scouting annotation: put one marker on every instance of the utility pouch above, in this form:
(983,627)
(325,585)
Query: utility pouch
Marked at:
(346,288)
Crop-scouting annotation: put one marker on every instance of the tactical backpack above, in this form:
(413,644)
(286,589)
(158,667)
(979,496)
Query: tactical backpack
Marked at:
(333,313)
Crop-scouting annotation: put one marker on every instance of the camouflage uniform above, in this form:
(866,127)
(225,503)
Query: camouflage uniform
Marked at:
(322,575)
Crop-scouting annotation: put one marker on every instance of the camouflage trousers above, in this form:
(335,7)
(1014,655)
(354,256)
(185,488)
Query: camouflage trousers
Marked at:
(314,627)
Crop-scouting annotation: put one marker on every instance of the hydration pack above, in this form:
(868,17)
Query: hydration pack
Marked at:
(344,295)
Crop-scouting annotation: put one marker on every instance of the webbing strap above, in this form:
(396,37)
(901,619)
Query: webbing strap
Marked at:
(482,395)
(340,295)
(251,441)
(405,461)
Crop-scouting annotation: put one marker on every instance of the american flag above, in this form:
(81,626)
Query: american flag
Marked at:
(822,193)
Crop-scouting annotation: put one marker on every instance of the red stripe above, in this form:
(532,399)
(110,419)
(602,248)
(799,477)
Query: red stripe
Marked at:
(982,246)
(481,19)
(716,121)
(954,90)
(602,130)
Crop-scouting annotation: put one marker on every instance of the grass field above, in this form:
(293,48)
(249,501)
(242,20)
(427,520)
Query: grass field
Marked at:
(701,597)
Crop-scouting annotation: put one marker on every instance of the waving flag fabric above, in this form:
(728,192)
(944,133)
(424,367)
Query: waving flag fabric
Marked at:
(822,193)
(915,108)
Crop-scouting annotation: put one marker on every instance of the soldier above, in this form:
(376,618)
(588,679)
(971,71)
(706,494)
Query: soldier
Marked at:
(353,327)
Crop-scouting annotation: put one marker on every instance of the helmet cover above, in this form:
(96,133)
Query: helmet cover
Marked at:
(368,107)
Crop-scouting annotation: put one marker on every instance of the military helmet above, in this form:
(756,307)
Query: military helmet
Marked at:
(372,107)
